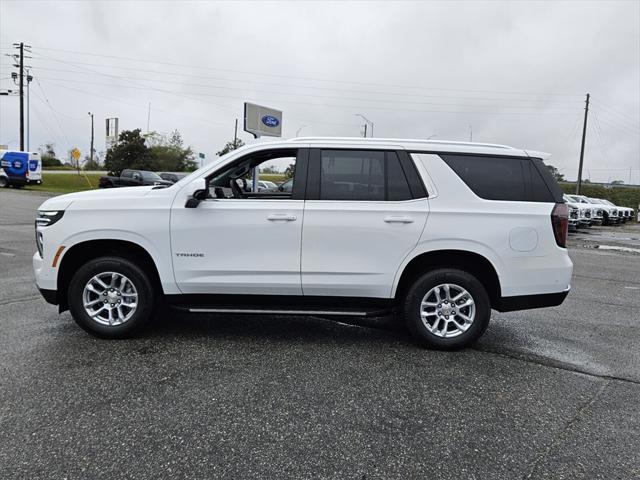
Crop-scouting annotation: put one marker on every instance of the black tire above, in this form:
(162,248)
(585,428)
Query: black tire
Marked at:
(4,182)
(140,279)
(422,285)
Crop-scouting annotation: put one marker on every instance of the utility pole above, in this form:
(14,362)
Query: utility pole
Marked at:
(91,149)
(584,135)
(365,130)
(19,57)
(148,117)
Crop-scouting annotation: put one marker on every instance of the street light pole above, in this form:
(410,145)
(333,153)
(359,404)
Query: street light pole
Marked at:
(29,79)
(368,121)
(91,149)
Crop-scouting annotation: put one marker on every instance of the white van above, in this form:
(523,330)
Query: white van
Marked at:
(19,168)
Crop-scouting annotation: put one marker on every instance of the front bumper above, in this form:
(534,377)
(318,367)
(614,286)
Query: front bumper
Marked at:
(50,296)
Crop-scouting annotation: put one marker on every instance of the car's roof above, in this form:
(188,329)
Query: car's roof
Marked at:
(420,145)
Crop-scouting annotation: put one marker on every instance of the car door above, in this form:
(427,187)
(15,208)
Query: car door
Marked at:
(240,246)
(364,213)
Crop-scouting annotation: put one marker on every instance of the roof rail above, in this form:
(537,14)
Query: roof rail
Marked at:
(398,140)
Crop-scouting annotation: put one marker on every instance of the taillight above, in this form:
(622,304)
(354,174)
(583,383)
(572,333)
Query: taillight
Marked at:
(560,223)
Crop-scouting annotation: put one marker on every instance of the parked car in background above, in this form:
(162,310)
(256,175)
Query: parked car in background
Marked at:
(133,178)
(284,187)
(18,168)
(173,177)
(611,214)
(627,213)
(608,213)
(579,213)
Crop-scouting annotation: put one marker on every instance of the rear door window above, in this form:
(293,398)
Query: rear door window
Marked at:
(363,175)
(352,175)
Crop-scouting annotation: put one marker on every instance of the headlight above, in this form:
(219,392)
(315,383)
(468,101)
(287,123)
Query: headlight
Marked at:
(46,218)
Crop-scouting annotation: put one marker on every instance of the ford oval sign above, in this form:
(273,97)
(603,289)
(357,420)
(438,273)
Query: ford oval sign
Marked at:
(270,121)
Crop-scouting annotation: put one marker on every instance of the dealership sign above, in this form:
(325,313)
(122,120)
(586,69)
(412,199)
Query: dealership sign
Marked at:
(262,121)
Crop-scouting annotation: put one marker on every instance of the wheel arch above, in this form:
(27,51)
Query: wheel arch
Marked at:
(472,262)
(81,252)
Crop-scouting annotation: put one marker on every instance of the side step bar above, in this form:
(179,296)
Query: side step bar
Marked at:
(273,311)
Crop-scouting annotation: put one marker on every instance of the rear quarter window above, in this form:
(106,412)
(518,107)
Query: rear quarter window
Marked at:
(504,178)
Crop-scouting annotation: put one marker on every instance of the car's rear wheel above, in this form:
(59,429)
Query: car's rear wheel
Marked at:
(111,297)
(4,182)
(447,309)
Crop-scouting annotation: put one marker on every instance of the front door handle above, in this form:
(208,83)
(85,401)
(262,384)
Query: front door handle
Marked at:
(393,219)
(283,217)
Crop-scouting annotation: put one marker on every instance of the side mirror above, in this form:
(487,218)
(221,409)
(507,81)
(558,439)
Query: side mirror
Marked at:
(197,191)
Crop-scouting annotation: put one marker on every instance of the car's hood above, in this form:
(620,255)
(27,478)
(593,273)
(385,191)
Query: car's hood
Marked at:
(62,202)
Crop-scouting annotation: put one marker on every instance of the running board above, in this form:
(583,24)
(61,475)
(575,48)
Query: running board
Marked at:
(274,305)
(272,311)
(278,312)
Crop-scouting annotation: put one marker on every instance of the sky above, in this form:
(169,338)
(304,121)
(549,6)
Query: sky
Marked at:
(513,73)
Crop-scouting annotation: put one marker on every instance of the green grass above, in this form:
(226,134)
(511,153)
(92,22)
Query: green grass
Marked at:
(65,183)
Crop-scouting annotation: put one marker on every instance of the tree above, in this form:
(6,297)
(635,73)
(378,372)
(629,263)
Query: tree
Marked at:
(556,173)
(290,171)
(269,169)
(169,154)
(48,155)
(95,164)
(230,146)
(129,152)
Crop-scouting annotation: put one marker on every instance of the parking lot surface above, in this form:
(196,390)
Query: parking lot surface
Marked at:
(545,394)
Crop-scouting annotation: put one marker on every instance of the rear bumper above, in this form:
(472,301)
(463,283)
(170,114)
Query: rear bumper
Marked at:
(528,302)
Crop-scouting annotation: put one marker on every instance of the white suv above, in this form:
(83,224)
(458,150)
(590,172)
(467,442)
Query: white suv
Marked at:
(439,233)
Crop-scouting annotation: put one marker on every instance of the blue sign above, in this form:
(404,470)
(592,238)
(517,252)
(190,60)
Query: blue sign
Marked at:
(270,121)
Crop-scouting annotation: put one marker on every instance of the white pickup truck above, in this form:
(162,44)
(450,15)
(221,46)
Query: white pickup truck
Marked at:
(438,233)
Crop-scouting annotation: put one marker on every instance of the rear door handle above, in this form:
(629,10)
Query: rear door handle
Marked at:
(393,219)
(283,217)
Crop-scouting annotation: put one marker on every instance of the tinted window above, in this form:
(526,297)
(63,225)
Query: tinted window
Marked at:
(501,178)
(352,175)
(126,173)
(397,185)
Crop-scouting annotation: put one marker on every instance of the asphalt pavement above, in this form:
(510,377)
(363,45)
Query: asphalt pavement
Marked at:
(545,394)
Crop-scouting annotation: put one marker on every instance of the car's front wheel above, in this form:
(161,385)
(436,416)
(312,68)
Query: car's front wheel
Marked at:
(4,182)
(447,309)
(111,297)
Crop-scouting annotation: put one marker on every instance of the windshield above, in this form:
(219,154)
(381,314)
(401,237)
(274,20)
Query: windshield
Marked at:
(593,200)
(151,176)
(608,203)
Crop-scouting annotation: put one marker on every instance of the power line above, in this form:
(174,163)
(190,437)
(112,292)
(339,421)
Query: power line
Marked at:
(621,115)
(230,97)
(263,74)
(312,87)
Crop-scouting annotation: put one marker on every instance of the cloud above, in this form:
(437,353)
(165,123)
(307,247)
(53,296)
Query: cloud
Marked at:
(513,72)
